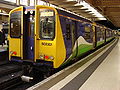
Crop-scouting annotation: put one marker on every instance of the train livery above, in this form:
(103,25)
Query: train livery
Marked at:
(47,36)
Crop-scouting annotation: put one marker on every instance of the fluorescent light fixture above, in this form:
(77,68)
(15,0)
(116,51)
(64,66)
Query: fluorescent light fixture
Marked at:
(73,0)
(94,11)
(41,2)
(14,1)
(65,10)
(3,14)
(45,3)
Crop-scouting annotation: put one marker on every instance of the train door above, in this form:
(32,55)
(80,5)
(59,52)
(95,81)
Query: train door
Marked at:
(28,38)
(94,36)
(74,38)
(71,47)
(68,40)
(105,35)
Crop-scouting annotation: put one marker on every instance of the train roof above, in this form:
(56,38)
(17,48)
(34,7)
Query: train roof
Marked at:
(65,13)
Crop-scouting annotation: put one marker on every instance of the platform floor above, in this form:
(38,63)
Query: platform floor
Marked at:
(96,74)
(107,75)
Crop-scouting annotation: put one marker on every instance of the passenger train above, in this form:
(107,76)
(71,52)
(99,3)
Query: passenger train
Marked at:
(50,37)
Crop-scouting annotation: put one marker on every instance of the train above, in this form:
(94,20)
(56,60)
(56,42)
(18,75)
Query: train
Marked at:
(118,32)
(51,37)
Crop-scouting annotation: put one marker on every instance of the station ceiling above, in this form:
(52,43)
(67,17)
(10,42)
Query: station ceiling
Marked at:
(7,6)
(109,8)
(71,6)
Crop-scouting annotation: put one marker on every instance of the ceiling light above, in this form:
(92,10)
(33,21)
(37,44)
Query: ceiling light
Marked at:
(90,8)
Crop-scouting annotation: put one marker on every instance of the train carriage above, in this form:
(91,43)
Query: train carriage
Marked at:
(77,35)
(46,36)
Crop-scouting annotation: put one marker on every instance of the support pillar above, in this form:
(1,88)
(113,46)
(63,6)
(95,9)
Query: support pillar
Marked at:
(35,2)
(17,2)
(28,2)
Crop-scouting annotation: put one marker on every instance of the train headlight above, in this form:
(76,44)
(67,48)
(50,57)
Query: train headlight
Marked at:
(41,56)
(51,57)
(15,53)
(46,57)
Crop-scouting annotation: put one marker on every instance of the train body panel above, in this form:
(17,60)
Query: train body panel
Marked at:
(14,47)
(29,34)
(51,48)
(78,37)
(15,44)
(85,39)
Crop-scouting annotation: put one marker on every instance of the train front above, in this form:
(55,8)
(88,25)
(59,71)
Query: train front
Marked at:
(35,36)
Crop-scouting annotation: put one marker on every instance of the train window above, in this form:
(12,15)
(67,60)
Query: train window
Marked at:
(98,32)
(68,32)
(47,24)
(87,34)
(107,33)
(103,33)
(15,24)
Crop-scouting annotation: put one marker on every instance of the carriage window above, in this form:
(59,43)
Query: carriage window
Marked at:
(98,32)
(68,32)
(103,33)
(47,24)
(107,33)
(87,35)
(15,24)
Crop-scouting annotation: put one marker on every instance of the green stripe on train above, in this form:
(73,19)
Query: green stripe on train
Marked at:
(82,48)
(108,39)
(100,42)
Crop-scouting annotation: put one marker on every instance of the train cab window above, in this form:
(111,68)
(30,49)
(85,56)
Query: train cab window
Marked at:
(15,24)
(47,24)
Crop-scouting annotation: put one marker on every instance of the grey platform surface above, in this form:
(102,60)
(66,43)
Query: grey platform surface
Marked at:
(107,75)
(95,74)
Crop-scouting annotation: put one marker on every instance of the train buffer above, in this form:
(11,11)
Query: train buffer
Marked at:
(101,72)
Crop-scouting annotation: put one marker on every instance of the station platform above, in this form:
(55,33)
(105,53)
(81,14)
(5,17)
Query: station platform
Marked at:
(98,71)
(3,48)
